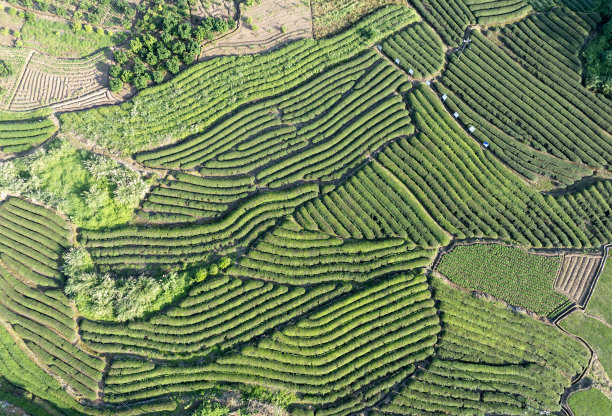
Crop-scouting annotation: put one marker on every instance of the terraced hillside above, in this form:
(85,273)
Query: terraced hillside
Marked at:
(326,229)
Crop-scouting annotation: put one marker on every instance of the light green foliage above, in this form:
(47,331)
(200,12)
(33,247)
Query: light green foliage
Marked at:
(276,397)
(42,35)
(210,408)
(600,304)
(591,402)
(94,191)
(595,333)
(110,298)
(201,275)
(508,273)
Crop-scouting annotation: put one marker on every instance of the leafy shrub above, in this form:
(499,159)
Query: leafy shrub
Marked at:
(5,69)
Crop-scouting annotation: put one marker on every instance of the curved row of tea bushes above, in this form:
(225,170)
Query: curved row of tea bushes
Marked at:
(517,155)
(489,12)
(31,241)
(220,313)
(417,48)
(184,197)
(466,190)
(494,85)
(372,204)
(129,246)
(20,131)
(379,332)
(490,360)
(206,92)
(301,257)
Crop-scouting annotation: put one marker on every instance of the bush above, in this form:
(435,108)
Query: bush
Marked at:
(213,270)
(142,81)
(158,77)
(5,69)
(115,71)
(115,85)
(120,57)
(127,76)
(201,275)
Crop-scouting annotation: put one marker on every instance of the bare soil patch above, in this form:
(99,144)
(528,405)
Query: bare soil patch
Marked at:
(213,8)
(264,27)
(576,275)
(47,80)
(331,16)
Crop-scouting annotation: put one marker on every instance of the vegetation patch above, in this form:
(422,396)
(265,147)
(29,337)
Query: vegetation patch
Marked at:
(95,192)
(591,402)
(597,334)
(508,273)
(599,304)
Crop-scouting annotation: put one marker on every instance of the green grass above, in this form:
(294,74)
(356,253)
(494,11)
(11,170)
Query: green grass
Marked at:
(508,273)
(65,178)
(57,38)
(594,333)
(599,304)
(590,402)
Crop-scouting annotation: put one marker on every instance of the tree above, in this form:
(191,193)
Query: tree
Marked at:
(115,71)
(224,263)
(152,59)
(120,57)
(201,275)
(178,47)
(213,270)
(158,77)
(135,45)
(127,76)
(184,31)
(139,68)
(142,81)
(173,65)
(187,58)
(163,52)
(115,85)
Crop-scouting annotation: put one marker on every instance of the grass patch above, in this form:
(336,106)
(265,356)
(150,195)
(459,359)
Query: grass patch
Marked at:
(591,402)
(594,333)
(600,304)
(508,273)
(58,38)
(95,192)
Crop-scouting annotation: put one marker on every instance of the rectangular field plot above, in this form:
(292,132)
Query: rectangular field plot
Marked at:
(576,276)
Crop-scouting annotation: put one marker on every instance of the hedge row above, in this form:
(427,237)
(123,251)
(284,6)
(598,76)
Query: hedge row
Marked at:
(417,48)
(375,340)
(208,91)
(133,245)
(513,152)
(220,313)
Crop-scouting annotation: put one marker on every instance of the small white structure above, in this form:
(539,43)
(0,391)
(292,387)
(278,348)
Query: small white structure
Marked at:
(397,61)
(410,71)
(486,144)
(427,83)
(379,47)
(472,129)
(456,114)
(444,97)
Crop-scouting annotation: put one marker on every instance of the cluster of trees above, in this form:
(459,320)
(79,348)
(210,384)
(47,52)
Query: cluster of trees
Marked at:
(164,39)
(598,55)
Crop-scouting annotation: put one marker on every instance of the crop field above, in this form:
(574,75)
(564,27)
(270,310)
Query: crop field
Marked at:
(508,273)
(326,208)
(590,402)
(577,275)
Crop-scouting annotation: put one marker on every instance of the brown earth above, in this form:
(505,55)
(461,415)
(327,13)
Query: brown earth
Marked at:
(263,27)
